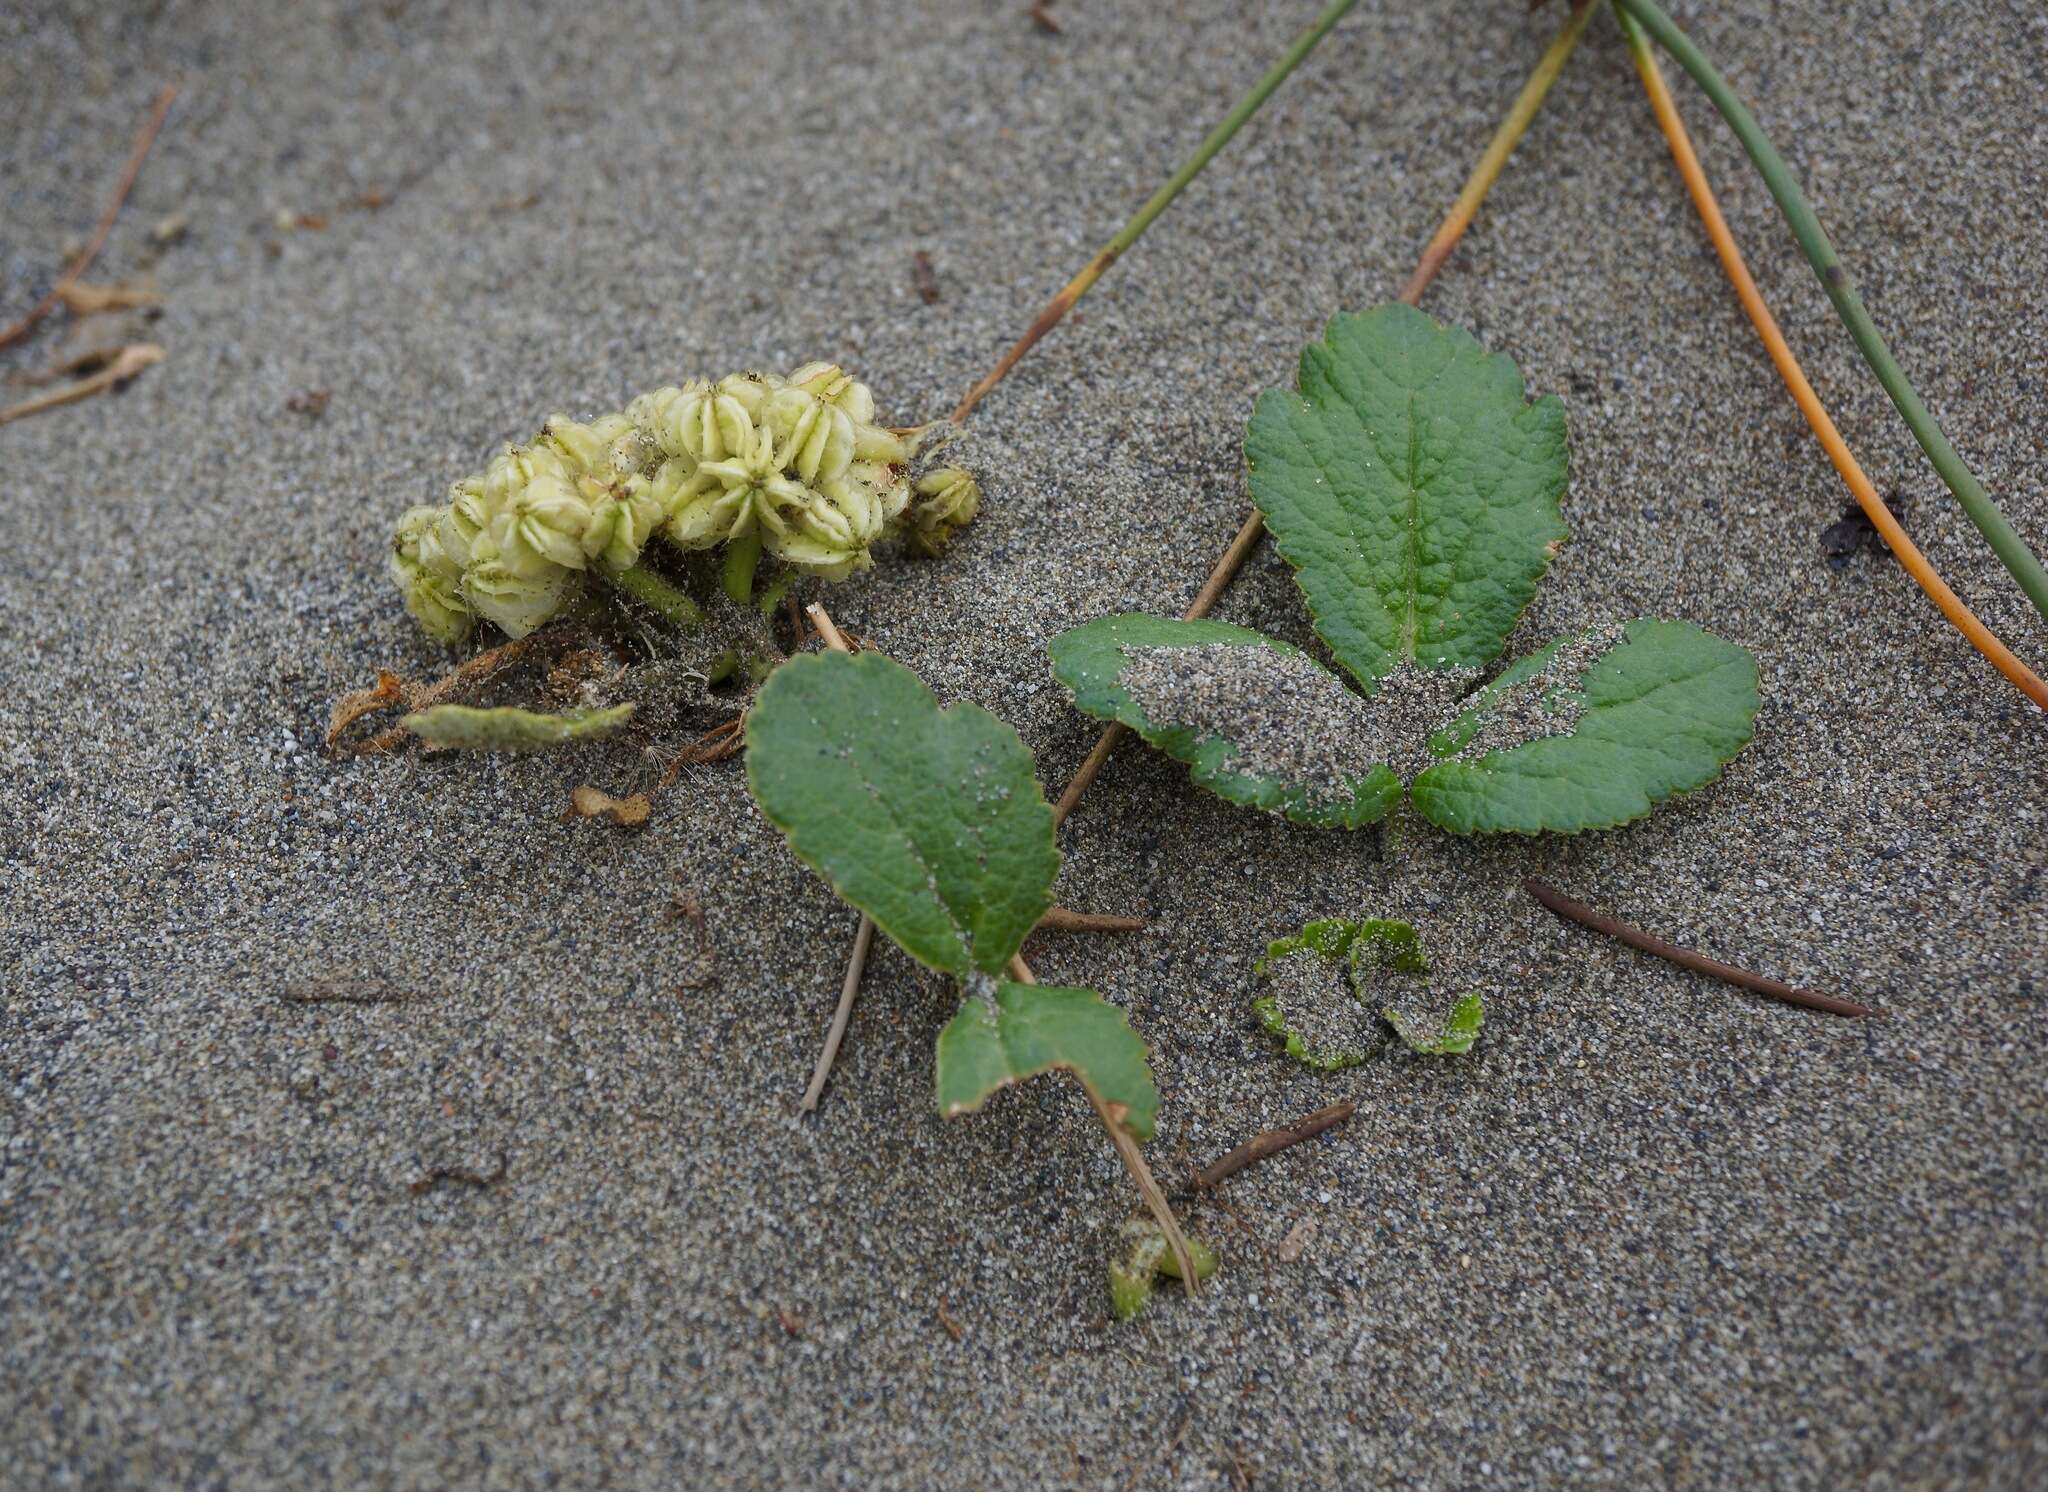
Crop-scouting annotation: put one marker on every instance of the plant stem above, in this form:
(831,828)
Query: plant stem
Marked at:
(1132,231)
(844,1012)
(650,590)
(1491,163)
(742,558)
(1820,253)
(1134,1161)
(1685,958)
(1909,556)
(1498,149)
(136,153)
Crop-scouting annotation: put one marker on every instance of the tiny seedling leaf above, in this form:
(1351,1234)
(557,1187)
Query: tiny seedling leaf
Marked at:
(1259,722)
(1026,1029)
(1412,488)
(465,728)
(1456,1035)
(1145,1257)
(929,820)
(1309,985)
(1357,956)
(1582,735)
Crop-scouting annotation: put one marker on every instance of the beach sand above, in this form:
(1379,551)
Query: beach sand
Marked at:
(1653,1231)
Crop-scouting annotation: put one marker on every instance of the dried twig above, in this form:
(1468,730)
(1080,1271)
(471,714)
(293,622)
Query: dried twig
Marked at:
(1685,958)
(715,745)
(128,362)
(1134,1161)
(1059,919)
(841,1014)
(1272,1142)
(85,257)
(463,1175)
(340,992)
(91,300)
(472,674)
(850,986)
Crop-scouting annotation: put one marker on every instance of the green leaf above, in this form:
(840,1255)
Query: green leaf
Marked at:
(464,728)
(1032,1028)
(1412,488)
(1310,973)
(931,821)
(1588,735)
(1454,1036)
(1146,1256)
(1261,723)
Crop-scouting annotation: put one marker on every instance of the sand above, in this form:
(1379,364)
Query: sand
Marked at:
(1652,1231)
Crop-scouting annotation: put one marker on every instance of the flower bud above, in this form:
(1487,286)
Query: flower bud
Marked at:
(431,595)
(517,603)
(946,499)
(621,524)
(543,528)
(833,385)
(815,440)
(705,424)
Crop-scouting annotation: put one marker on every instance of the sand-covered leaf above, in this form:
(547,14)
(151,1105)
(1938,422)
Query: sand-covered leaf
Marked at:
(1020,1030)
(1259,722)
(1311,1004)
(1413,489)
(465,728)
(1455,1035)
(929,820)
(1592,731)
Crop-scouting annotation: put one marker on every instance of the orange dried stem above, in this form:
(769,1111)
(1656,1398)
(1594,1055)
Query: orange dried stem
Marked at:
(1909,555)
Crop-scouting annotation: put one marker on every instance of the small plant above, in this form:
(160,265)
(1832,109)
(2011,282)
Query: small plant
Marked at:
(931,822)
(1417,495)
(1363,958)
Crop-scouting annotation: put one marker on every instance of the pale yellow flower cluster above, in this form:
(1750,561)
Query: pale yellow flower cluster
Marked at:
(796,464)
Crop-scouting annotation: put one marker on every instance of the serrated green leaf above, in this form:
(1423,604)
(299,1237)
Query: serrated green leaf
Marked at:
(465,728)
(1033,1028)
(1453,1037)
(1296,742)
(931,821)
(1411,487)
(1658,714)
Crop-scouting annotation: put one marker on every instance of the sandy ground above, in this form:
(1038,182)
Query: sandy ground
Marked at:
(1651,1231)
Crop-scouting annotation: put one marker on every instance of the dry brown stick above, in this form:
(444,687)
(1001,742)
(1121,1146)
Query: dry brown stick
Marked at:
(1134,1161)
(1272,1142)
(131,361)
(1059,919)
(1685,958)
(850,986)
(85,257)
(841,1015)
